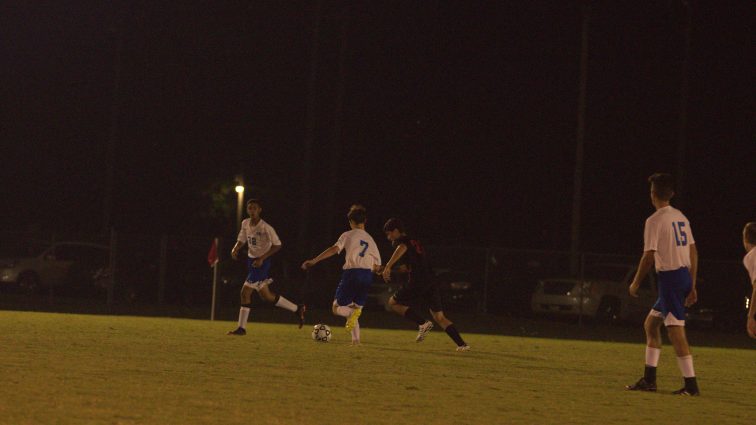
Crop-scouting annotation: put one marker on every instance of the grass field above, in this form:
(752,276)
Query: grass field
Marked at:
(78,369)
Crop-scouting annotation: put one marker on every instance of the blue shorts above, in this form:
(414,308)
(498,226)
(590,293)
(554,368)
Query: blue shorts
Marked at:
(674,287)
(257,274)
(353,287)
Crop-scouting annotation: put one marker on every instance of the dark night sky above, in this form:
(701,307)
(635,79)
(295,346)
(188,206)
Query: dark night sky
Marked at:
(458,116)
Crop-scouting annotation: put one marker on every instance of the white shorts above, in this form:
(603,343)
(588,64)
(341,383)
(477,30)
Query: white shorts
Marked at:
(670,320)
(257,286)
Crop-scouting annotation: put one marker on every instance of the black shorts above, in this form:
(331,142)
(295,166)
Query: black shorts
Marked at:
(417,296)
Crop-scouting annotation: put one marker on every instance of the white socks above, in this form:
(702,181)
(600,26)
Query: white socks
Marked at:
(686,366)
(652,356)
(356,333)
(685,363)
(243,316)
(286,304)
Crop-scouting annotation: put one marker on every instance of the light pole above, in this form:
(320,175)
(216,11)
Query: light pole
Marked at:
(239,203)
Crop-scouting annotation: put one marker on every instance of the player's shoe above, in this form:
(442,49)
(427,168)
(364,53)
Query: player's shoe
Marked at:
(463,348)
(423,330)
(238,332)
(686,391)
(301,308)
(642,385)
(352,320)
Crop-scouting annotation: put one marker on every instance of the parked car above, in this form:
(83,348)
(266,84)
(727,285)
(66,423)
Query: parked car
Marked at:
(459,290)
(68,265)
(724,308)
(601,295)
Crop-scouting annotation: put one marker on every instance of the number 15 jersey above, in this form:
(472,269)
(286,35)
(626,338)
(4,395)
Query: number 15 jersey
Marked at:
(668,233)
(361,250)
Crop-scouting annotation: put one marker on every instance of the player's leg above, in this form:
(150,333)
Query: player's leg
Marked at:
(436,310)
(675,322)
(343,300)
(362,280)
(401,303)
(279,301)
(652,327)
(246,302)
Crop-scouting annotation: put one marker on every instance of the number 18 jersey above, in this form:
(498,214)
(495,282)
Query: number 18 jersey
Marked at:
(361,250)
(668,233)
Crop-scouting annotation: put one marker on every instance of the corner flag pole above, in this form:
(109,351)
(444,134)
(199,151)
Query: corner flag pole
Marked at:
(212,258)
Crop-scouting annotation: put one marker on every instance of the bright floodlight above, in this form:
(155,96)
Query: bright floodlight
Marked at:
(239,189)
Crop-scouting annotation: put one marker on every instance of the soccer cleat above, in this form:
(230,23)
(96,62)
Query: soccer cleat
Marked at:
(642,385)
(238,332)
(463,348)
(423,330)
(685,391)
(301,308)
(352,320)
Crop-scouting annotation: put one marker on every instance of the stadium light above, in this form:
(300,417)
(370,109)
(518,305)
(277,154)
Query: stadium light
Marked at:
(239,204)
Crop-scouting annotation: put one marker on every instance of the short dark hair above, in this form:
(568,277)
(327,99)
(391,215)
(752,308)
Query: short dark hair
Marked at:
(663,185)
(749,232)
(394,223)
(357,214)
(254,201)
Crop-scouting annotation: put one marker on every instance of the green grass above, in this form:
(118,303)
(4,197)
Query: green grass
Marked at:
(75,369)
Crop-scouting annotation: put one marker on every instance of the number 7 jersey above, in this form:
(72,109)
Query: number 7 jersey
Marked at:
(361,250)
(668,233)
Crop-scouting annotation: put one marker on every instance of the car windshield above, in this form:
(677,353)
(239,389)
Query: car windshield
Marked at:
(606,272)
(23,249)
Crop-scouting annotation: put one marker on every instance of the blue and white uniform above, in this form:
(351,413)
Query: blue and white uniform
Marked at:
(749,261)
(668,234)
(259,239)
(361,255)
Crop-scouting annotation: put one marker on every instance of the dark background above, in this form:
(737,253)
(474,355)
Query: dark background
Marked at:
(460,117)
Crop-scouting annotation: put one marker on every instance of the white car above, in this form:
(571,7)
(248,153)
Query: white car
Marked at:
(602,295)
(54,265)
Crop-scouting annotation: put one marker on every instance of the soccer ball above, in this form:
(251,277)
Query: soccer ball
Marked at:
(321,333)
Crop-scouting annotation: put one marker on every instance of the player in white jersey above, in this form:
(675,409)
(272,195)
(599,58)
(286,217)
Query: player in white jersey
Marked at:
(749,261)
(668,245)
(262,242)
(361,259)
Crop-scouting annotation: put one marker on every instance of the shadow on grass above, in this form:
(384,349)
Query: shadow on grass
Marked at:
(466,323)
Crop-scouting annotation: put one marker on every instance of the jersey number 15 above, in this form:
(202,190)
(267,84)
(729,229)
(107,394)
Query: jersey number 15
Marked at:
(681,238)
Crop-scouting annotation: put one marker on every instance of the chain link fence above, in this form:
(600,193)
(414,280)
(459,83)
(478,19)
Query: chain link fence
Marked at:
(164,270)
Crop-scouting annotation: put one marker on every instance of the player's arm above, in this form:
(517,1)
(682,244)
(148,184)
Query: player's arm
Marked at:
(644,266)
(693,296)
(235,250)
(751,323)
(273,249)
(328,253)
(398,253)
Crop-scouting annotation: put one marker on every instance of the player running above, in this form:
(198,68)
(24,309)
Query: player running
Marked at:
(361,259)
(420,286)
(749,261)
(668,245)
(262,242)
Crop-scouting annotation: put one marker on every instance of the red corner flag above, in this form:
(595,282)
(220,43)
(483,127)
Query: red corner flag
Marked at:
(212,256)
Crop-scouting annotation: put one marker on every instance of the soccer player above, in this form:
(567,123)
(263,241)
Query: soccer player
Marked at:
(262,242)
(361,259)
(749,261)
(420,286)
(668,245)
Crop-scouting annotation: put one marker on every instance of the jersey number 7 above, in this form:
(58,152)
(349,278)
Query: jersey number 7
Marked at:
(365,245)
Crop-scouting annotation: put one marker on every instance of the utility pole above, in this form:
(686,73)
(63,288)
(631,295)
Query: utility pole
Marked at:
(578,176)
(682,130)
(338,124)
(306,196)
(107,216)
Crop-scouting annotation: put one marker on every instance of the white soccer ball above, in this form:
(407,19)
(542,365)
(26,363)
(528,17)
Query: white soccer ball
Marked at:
(321,333)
